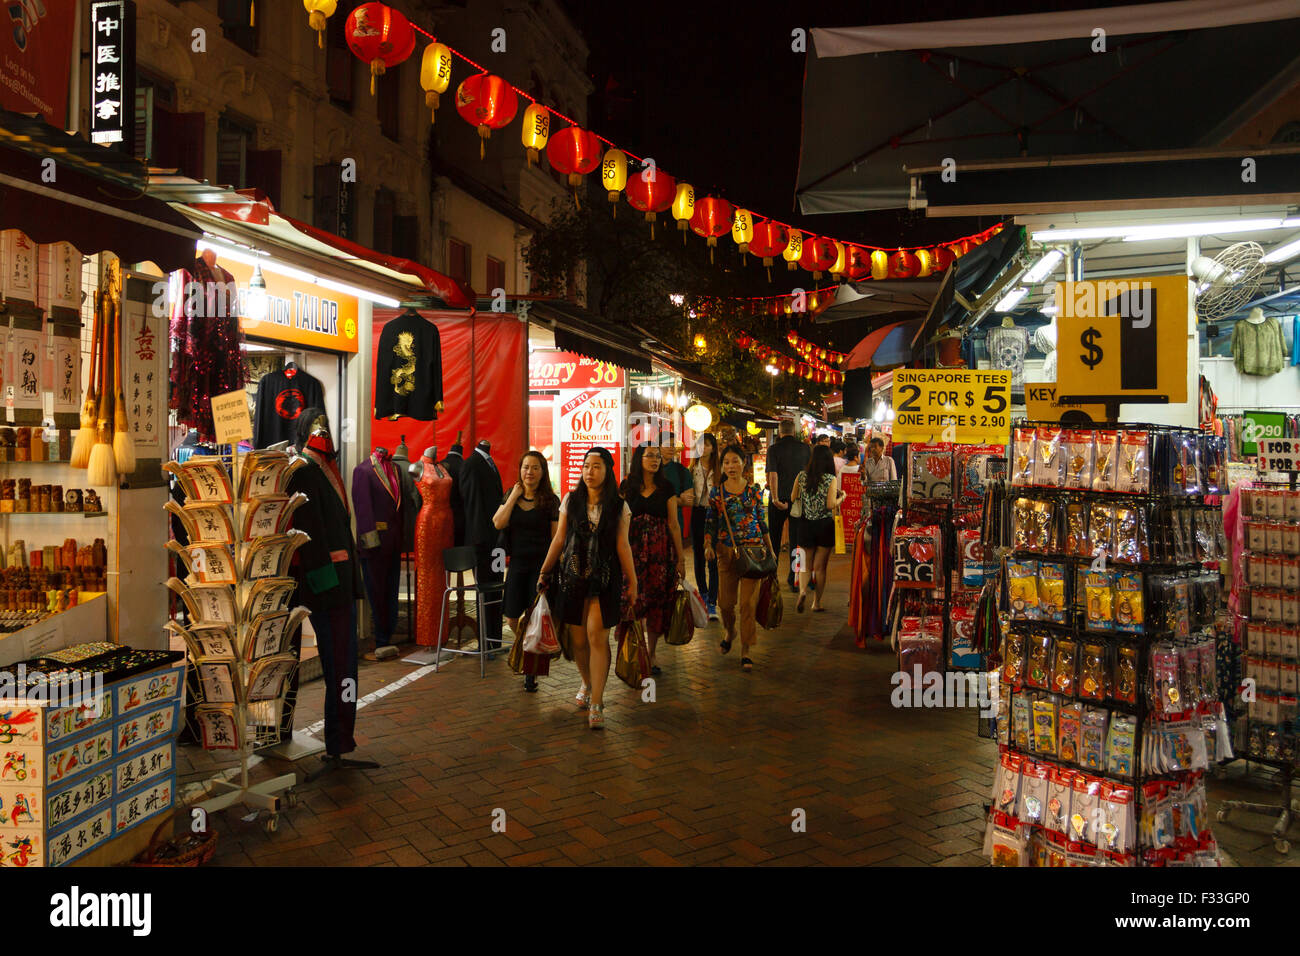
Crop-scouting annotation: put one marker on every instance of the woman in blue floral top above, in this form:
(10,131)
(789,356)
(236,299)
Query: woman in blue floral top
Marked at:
(745,516)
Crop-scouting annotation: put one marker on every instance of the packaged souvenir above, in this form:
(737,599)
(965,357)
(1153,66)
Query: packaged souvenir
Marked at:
(921,648)
(1037,847)
(929,471)
(1121,737)
(1206,540)
(1060,781)
(963,654)
(1057,847)
(1044,525)
(1051,591)
(1070,731)
(1134,464)
(1022,590)
(1291,509)
(1076,529)
(918,557)
(1105,463)
(1273,537)
(1290,572)
(1084,803)
(1049,461)
(1007,846)
(1032,806)
(1044,711)
(1020,721)
(1130,536)
(1023,526)
(970,545)
(1092,741)
(1101,529)
(1006,784)
(1119,823)
(1256,537)
(1023,447)
(1128,602)
(1038,647)
(1013,657)
(1101,594)
(1065,663)
(1078,458)
(1290,534)
(1124,684)
(1092,672)
(972,470)
(1214,458)
(1167,691)
(1187,464)
(1274,504)
(1080,589)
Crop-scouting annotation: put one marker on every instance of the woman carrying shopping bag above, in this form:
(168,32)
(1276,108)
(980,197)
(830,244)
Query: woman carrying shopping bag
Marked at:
(591,548)
(820,497)
(527,519)
(656,541)
(737,523)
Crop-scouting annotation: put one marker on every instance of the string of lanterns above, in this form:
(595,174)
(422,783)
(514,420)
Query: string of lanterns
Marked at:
(383,37)
(811,370)
(810,351)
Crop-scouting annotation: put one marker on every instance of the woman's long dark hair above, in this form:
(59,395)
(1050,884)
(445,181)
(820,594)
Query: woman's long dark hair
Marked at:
(821,462)
(611,503)
(714,465)
(545,494)
(634,483)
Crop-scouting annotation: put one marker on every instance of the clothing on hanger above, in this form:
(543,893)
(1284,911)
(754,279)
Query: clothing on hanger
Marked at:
(281,398)
(1258,348)
(206,359)
(408,373)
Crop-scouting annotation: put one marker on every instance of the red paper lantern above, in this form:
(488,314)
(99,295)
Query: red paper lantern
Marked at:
(711,219)
(653,196)
(818,255)
(379,36)
(793,338)
(943,257)
(770,240)
(575,152)
(858,262)
(487,102)
(903,265)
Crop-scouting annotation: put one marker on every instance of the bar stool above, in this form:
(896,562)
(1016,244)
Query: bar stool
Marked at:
(458,561)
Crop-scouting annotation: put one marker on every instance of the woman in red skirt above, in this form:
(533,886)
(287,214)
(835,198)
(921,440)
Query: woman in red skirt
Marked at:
(656,540)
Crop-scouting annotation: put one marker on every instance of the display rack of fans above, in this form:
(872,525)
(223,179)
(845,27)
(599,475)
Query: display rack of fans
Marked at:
(938,559)
(1107,711)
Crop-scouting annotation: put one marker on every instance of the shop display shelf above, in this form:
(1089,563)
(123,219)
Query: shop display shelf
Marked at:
(53,514)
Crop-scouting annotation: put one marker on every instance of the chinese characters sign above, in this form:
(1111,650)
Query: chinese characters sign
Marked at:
(112,73)
(24,389)
(144,380)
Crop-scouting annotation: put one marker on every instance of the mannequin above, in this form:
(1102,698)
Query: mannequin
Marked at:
(205,343)
(434,534)
(453,464)
(377,500)
(482,492)
(410,497)
(326,570)
(1258,347)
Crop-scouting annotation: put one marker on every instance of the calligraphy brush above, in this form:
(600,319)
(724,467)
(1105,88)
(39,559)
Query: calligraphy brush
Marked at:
(123,443)
(86,437)
(101,471)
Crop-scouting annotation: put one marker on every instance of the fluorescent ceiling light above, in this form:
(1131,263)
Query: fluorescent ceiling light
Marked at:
(1049,308)
(1010,300)
(289,272)
(1283,253)
(1044,267)
(1172,230)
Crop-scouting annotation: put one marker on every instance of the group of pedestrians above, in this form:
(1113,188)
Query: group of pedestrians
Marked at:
(620,551)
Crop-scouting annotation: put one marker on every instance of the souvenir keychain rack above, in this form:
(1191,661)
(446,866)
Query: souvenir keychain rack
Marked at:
(1032,733)
(253,724)
(1258,753)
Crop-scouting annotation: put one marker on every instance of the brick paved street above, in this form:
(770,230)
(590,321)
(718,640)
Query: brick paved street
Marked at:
(709,773)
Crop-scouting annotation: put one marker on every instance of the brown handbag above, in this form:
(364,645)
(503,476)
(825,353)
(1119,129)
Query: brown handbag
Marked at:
(751,560)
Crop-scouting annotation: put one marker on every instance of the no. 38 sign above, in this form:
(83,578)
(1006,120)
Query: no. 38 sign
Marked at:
(967,406)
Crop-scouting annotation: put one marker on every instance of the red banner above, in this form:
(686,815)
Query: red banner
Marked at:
(851,506)
(483,375)
(548,369)
(36,57)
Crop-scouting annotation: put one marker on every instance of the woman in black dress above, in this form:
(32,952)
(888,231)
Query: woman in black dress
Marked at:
(592,535)
(656,540)
(527,519)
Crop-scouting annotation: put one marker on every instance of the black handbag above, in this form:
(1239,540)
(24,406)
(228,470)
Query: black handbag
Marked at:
(752,560)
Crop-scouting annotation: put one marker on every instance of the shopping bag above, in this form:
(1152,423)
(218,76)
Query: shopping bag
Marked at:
(632,659)
(839,535)
(681,626)
(540,637)
(770,608)
(516,658)
(699,611)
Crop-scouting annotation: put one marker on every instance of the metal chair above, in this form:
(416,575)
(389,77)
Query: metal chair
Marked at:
(458,561)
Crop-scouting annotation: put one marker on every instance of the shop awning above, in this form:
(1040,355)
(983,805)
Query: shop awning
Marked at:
(96,201)
(577,330)
(1175,75)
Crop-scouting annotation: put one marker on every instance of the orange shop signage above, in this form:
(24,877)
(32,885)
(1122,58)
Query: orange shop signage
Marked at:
(548,369)
(298,312)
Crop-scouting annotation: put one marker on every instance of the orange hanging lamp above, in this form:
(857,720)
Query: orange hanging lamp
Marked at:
(818,255)
(769,241)
(711,219)
(487,102)
(651,191)
(379,36)
(575,152)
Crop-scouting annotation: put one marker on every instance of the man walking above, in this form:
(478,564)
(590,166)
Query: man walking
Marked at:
(878,467)
(785,459)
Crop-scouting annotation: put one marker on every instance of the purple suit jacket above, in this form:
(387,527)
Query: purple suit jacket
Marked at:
(378,512)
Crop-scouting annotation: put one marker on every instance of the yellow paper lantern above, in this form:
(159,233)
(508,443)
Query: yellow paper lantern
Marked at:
(841,259)
(536,131)
(926,261)
(613,174)
(435,75)
(698,418)
(701,343)
(753,429)
(318,11)
(793,250)
(742,229)
(684,208)
(879,264)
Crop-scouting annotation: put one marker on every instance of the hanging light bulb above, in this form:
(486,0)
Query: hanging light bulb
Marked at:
(255,303)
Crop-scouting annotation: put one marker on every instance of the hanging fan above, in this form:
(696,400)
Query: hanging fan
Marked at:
(1228,281)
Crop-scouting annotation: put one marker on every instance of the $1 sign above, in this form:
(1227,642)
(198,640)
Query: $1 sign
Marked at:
(1092,355)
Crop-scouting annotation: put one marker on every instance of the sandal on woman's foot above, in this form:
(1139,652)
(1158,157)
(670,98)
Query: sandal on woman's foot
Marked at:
(596,717)
(818,610)
(746,664)
(799,607)
(582,699)
(725,646)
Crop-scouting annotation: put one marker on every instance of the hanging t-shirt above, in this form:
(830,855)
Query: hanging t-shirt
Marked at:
(408,373)
(281,398)
(1007,348)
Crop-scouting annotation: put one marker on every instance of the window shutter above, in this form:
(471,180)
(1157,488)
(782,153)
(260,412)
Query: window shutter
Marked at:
(264,167)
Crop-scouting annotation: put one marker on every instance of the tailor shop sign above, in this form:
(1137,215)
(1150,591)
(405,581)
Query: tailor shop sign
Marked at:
(300,313)
(550,369)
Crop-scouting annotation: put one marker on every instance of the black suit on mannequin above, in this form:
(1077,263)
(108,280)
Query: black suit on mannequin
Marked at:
(480,483)
(453,464)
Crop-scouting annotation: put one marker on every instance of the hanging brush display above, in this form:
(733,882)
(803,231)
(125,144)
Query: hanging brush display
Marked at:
(101,471)
(85,440)
(123,443)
